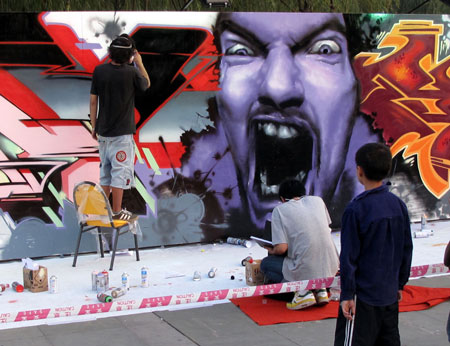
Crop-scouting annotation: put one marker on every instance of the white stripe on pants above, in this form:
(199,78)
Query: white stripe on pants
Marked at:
(349,329)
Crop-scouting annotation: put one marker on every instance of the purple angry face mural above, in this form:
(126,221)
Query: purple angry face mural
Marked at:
(287,101)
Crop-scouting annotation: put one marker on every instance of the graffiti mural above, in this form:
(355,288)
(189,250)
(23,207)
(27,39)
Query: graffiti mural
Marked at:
(236,106)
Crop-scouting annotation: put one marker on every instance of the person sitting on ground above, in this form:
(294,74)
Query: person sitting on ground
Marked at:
(303,248)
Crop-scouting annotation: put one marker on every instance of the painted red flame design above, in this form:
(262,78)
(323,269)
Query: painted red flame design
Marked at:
(405,89)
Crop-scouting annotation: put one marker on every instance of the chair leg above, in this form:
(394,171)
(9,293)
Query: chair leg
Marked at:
(100,242)
(77,248)
(136,247)
(115,241)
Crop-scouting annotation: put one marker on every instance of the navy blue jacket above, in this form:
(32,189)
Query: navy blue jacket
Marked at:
(376,247)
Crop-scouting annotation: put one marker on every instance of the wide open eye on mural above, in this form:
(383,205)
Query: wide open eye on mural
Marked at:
(236,107)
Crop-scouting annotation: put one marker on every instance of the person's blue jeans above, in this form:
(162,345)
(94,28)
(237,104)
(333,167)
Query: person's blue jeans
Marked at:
(272,268)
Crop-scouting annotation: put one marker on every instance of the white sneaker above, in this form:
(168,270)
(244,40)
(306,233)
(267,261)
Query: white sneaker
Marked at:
(301,301)
(321,296)
(125,215)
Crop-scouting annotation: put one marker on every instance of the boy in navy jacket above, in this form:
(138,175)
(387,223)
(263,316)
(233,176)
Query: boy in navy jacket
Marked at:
(375,259)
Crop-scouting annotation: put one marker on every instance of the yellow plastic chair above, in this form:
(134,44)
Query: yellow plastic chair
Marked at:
(94,212)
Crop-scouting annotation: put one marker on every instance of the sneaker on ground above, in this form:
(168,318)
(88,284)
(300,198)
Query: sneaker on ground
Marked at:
(124,215)
(322,296)
(301,301)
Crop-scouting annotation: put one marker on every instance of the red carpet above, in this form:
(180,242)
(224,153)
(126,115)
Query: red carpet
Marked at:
(266,311)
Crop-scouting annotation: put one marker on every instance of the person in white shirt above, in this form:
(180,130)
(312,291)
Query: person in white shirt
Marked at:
(303,248)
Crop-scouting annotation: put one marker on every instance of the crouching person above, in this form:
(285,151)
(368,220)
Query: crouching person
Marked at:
(303,248)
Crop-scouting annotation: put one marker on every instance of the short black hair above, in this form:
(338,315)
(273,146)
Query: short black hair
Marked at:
(121,50)
(291,188)
(375,159)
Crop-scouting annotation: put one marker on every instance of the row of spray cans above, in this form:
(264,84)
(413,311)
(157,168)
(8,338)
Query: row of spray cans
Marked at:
(17,287)
(100,283)
(211,274)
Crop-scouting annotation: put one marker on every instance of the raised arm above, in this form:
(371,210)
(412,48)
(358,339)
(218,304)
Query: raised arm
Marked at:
(141,68)
(93,104)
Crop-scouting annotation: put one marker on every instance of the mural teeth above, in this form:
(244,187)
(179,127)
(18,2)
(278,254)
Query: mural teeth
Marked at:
(267,189)
(274,189)
(300,176)
(294,132)
(270,129)
(285,132)
(263,178)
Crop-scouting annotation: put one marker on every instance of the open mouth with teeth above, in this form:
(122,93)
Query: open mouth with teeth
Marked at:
(282,151)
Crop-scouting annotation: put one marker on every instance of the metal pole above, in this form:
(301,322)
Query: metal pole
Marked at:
(423,3)
(187,4)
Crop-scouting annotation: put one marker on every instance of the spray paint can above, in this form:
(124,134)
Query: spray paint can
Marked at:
(53,283)
(118,292)
(237,241)
(248,259)
(104,298)
(421,234)
(17,287)
(126,281)
(94,280)
(101,283)
(144,277)
(105,272)
(423,222)
(197,276)
(3,287)
(212,272)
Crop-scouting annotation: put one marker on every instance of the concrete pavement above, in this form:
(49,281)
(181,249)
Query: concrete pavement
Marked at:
(221,325)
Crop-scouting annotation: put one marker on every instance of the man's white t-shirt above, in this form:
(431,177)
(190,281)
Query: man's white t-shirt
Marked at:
(304,225)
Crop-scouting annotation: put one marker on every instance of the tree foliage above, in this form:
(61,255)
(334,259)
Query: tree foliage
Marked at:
(345,6)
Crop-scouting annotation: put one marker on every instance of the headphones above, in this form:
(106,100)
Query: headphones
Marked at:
(120,42)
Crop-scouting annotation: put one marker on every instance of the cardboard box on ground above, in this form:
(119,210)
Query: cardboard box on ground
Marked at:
(253,274)
(35,280)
